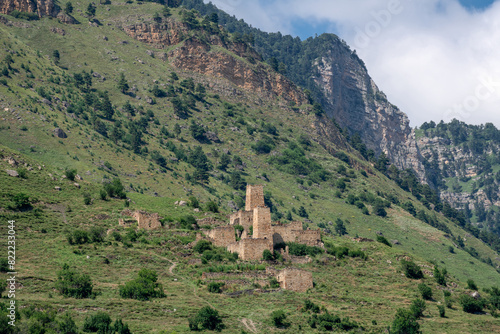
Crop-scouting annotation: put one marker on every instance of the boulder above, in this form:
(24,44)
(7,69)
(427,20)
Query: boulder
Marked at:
(13,173)
(182,203)
(60,133)
(76,185)
(57,188)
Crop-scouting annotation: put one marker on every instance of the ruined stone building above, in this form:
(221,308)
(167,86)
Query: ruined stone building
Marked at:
(148,221)
(259,233)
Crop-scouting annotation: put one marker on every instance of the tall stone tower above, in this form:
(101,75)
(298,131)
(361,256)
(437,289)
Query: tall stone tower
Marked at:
(255,197)
(262,223)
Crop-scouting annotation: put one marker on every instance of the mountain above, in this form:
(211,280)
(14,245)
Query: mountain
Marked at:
(152,116)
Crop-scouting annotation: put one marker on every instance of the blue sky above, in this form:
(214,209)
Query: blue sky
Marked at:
(435,59)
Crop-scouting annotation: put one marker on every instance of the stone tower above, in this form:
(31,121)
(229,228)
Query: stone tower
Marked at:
(262,223)
(255,197)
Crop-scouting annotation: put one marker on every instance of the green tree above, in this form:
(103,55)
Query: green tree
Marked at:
(206,319)
(267,255)
(405,323)
(67,324)
(471,285)
(144,287)
(90,10)
(278,319)
(123,83)
(302,212)
(417,307)
(72,284)
(99,322)
(68,8)
(339,227)
(411,269)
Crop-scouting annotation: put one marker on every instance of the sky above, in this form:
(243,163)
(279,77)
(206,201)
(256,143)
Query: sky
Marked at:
(434,59)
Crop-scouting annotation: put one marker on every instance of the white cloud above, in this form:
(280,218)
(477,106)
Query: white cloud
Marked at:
(433,58)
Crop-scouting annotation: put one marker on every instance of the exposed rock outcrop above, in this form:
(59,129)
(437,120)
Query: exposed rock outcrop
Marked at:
(355,101)
(41,7)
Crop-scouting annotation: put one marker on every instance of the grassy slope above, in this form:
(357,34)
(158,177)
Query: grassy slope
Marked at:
(350,288)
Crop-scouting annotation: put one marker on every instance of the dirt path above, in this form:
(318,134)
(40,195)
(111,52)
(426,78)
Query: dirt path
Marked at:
(249,324)
(171,269)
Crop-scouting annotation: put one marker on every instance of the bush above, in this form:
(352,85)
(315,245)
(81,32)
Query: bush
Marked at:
(99,322)
(97,234)
(471,285)
(115,189)
(193,202)
(273,283)
(87,199)
(70,174)
(21,202)
(78,237)
(411,269)
(4,265)
(207,318)
(417,308)
(67,325)
(116,236)
(442,311)
(187,222)
(267,255)
(144,287)
(383,240)
(470,304)
(303,250)
(215,287)
(278,319)
(212,207)
(330,322)
(310,306)
(71,284)
(425,291)
(202,246)
(440,276)
(357,253)
(103,194)
(405,323)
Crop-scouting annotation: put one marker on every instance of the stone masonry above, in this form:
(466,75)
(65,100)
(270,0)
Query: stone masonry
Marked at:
(295,279)
(148,221)
(265,234)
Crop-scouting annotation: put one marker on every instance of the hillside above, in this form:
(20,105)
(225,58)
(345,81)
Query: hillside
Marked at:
(175,108)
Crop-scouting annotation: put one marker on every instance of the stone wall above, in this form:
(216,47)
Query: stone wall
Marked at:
(222,236)
(148,221)
(262,223)
(286,232)
(295,279)
(243,218)
(310,238)
(208,221)
(250,249)
(41,7)
(255,197)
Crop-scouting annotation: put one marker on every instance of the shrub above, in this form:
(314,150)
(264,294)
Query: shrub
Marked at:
(310,306)
(278,319)
(207,318)
(405,323)
(383,240)
(87,199)
(120,327)
(273,283)
(78,237)
(71,284)
(267,255)
(116,236)
(115,189)
(411,269)
(471,285)
(21,202)
(442,311)
(99,322)
(202,246)
(440,276)
(417,308)
(303,250)
(340,227)
(144,287)
(425,291)
(212,207)
(67,325)
(103,194)
(4,265)
(23,173)
(70,174)
(357,253)
(470,304)
(193,202)
(330,322)
(187,222)
(215,287)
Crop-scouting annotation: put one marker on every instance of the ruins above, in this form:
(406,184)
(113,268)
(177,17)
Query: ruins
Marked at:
(148,221)
(259,233)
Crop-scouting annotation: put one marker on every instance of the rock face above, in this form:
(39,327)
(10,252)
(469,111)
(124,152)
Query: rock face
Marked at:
(41,7)
(356,103)
(241,65)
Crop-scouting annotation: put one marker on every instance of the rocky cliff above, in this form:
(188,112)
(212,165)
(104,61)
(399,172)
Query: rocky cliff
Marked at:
(216,56)
(356,103)
(42,7)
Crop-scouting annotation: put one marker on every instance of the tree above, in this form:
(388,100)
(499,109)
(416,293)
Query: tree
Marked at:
(405,323)
(70,174)
(197,131)
(122,83)
(278,319)
(177,130)
(72,284)
(417,307)
(144,287)
(99,322)
(56,56)
(471,285)
(302,212)
(440,276)
(207,318)
(224,161)
(68,8)
(67,325)
(411,270)
(267,255)
(339,227)
(90,10)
